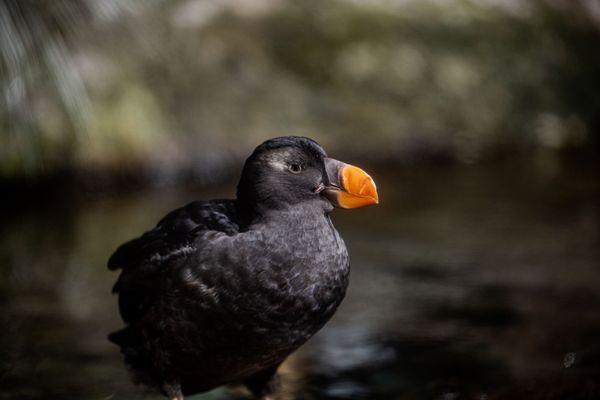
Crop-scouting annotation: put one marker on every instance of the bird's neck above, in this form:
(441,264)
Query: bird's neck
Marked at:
(300,214)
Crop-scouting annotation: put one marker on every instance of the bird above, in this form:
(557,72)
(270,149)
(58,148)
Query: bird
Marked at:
(222,291)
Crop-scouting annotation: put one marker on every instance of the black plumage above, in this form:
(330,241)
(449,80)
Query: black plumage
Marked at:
(223,291)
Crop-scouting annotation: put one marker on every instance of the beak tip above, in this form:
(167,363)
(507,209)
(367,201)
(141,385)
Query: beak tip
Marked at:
(360,188)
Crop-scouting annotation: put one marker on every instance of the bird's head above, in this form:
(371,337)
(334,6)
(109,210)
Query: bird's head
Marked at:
(289,170)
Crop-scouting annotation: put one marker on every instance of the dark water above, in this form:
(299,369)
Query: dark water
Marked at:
(467,283)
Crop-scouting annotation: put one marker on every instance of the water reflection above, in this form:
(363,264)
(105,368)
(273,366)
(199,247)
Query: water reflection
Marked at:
(467,283)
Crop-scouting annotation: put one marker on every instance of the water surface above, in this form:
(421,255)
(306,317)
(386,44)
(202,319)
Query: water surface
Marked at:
(467,283)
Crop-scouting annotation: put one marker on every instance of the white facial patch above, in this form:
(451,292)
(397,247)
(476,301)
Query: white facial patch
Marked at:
(279,159)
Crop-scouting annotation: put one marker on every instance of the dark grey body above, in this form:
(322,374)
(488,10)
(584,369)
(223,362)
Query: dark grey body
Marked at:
(210,299)
(223,291)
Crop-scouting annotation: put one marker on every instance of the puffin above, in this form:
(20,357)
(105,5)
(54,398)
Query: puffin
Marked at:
(222,291)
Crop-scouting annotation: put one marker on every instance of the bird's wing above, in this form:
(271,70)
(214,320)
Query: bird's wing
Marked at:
(145,260)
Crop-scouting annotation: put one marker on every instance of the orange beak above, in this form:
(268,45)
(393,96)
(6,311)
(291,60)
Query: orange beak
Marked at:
(349,186)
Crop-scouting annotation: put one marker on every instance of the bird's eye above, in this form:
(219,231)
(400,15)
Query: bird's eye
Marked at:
(296,168)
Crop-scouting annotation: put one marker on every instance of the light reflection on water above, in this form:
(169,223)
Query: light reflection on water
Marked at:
(467,283)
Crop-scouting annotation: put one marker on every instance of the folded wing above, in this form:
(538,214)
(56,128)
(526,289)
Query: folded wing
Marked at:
(145,260)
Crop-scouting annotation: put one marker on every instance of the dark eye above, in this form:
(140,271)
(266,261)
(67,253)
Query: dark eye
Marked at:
(296,168)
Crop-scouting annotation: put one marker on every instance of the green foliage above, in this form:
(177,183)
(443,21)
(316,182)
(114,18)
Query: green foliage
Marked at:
(193,86)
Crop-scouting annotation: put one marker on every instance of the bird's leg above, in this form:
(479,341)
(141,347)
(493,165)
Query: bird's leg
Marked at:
(173,391)
(265,384)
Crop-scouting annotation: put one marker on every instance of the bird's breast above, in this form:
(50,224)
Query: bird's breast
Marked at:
(301,292)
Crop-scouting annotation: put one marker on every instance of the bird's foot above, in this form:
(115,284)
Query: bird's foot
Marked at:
(173,391)
(264,385)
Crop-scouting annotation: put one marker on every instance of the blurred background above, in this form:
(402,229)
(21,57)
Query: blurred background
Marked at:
(478,275)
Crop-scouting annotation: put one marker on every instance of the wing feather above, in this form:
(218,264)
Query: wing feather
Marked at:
(144,260)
